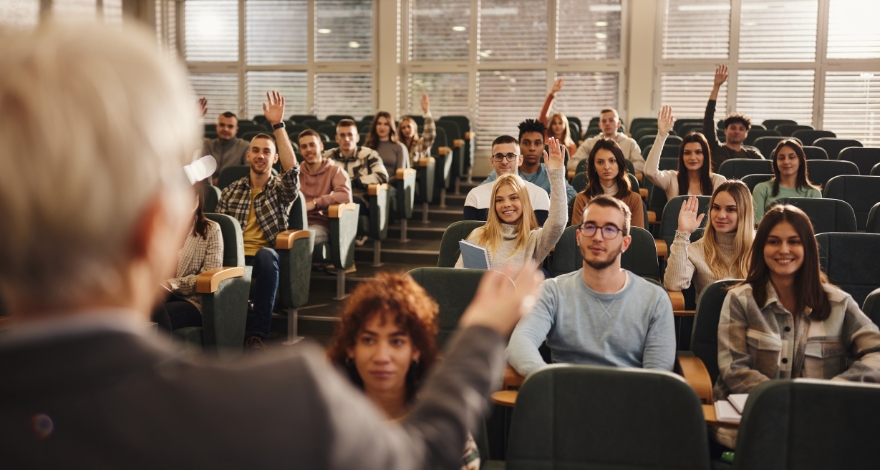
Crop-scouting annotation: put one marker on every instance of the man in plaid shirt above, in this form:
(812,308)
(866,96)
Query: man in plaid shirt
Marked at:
(260,203)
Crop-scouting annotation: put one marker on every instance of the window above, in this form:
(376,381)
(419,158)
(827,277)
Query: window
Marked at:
(293,86)
(587,93)
(853,36)
(778,31)
(696,30)
(221,90)
(277,32)
(344,93)
(688,92)
(211,29)
(344,30)
(594,38)
(504,99)
(20,13)
(166,26)
(852,106)
(440,29)
(776,94)
(512,30)
(448,93)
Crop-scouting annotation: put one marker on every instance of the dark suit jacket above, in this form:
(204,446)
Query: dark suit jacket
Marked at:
(111,399)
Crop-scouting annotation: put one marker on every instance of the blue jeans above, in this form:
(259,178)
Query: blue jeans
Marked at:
(265,286)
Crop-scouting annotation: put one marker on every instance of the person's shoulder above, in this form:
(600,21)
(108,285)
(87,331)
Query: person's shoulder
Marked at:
(763,186)
(367,152)
(717,178)
(643,285)
(330,154)
(478,196)
(835,294)
(213,226)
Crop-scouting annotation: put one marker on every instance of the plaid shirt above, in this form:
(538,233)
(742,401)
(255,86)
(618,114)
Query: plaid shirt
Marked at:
(197,256)
(421,147)
(272,204)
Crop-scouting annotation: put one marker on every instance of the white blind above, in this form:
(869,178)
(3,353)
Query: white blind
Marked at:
(439,29)
(448,93)
(852,106)
(696,29)
(74,9)
(343,30)
(211,28)
(853,31)
(512,30)
(344,93)
(776,94)
(504,99)
(166,26)
(588,29)
(221,90)
(112,11)
(778,31)
(587,93)
(20,13)
(292,85)
(277,32)
(688,92)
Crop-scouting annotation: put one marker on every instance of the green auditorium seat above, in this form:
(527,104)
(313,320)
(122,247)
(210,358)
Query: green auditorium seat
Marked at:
(826,214)
(809,136)
(815,153)
(772,123)
(647,140)
(737,168)
(232,174)
(302,118)
(873,223)
(317,123)
(767,144)
(212,197)
(820,171)
(788,130)
(755,134)
(645,130)
(669,151)
(640,258)
(679,123)
(833,146)
(294,247)
(376,224)
(752,180)
(861,192)
(338,117)
(328,130)
(875,170)
(449,249)
(864,157)
(850,261)
(453,290)
(591,417)
(402,203)
(871,307)
(444,157)
(638,123)
(455,141)
(470,138)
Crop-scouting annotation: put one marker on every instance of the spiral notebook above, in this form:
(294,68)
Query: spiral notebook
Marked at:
(473,256)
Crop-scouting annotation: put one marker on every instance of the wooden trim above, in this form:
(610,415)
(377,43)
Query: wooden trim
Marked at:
(662,249)
(426,161)
(652,218)
(373,189)
(511,379)
(284,240)
(644,193)
(209,281)
(697,376)
(470,135)
(458,143)
(335,211)
(6,322)
(571,174)
(444,150)
(401,172)
(640,176)
(677,299)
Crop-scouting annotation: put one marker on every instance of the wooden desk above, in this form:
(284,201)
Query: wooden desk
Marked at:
(508,398)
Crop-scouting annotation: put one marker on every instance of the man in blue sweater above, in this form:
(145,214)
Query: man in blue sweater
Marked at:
(600,314)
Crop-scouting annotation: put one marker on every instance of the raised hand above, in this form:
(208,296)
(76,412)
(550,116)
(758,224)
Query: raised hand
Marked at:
(665,120)
(499,303)
(557,85)
(426,103)
(556,158)
(274,109)
(720,75)
(688,220)
(203,106)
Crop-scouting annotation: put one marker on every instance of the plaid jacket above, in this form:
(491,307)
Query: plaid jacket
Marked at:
(421,147)
(197,256)
(364,168)
(272,205)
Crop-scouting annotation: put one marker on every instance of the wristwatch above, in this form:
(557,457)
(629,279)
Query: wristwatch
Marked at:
(280,125)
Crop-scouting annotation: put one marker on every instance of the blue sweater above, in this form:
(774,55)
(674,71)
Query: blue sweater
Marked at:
(630,328)
(539,178)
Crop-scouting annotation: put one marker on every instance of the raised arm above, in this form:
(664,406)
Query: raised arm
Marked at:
(558,213)
(652,164)
(273,109)
(430,131)
(544,116)
(680,269)
(709,116)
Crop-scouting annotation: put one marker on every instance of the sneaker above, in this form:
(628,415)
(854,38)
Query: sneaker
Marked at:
(332,269)
(255,343)
(361,240)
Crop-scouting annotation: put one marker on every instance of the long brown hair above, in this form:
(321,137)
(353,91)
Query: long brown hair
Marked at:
(802,181)
(705,170)
(566,129)
(809,279)
(373,137)
(200,225)
(398,298)
(594,186)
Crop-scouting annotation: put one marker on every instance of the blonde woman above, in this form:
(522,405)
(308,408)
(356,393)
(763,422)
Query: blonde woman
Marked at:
(417,146)
(557,124)
(722,253)
(511,235)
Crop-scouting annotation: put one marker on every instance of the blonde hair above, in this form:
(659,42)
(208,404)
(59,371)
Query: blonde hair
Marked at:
(490,235)
(566,132)
(745,233)
(95,124)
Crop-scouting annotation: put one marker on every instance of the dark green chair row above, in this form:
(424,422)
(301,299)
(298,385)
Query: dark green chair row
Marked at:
(861,192)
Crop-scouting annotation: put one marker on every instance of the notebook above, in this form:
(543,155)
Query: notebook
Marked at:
(738,400)
(726,413)
(473,256)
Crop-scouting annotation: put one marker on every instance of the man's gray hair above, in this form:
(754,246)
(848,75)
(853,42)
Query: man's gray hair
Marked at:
(94,125)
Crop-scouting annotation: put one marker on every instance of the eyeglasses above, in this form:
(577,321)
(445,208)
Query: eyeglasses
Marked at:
(499,157)
(609,232)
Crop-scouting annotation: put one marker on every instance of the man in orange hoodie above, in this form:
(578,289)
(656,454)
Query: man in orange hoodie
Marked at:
(322,182)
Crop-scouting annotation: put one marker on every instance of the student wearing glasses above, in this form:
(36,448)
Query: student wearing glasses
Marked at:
(505,160)
(600,314)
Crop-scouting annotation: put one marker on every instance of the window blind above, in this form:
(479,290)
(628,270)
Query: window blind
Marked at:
(504,99)
(221,90)
(211,28)
(20,13)
(696,29)
(778,31)
(688,92)
(587,93)
(74,9)
(343,93)
(439,29)
(776,94)
(448,93)
(166,26)
(512,30)
(588,30)
(112,11)
(276,32)
(343,30)
(852,29)
(293,86)
(852,106)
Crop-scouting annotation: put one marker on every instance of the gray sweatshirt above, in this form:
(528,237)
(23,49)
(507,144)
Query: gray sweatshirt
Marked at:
(630,328)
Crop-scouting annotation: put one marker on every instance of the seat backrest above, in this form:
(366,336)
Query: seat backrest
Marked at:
(679,123)
(861,192)
(638,123)
(317,123)
(820,171)
(789,129)
(864,157)
(833,145)
(212,197)
(850,261)
(669,151)
(767,144)
(640,258)
(875,170)
(231,174)
(785,428)
(464,122)
(704,338)
(591,417)
(827,215)
(645,130)
(809,136)
(648,139)
(815,153)
(752,180)
(873,223)
(328,130)
(669,223)
(453,290)
(302,118)
(871,307)
(453,131)
(579,182)
(772,123)
(740,167)
(755,134)
(449,249)
(233,243)
(338,117)
(297,218)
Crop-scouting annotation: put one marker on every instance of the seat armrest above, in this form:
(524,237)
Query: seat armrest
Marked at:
(652,218)
(662,249)
(426,161)
(470,135)
(458,143)
(336,210)
(512,379)
(209,281)
(375,189)
(284,240)
(644,193)
(402,172)
(695,374)
(571,174)
(444,151)
(677,299)
(640,176)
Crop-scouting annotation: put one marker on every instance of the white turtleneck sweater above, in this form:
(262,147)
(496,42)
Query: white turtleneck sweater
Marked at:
(687,262)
